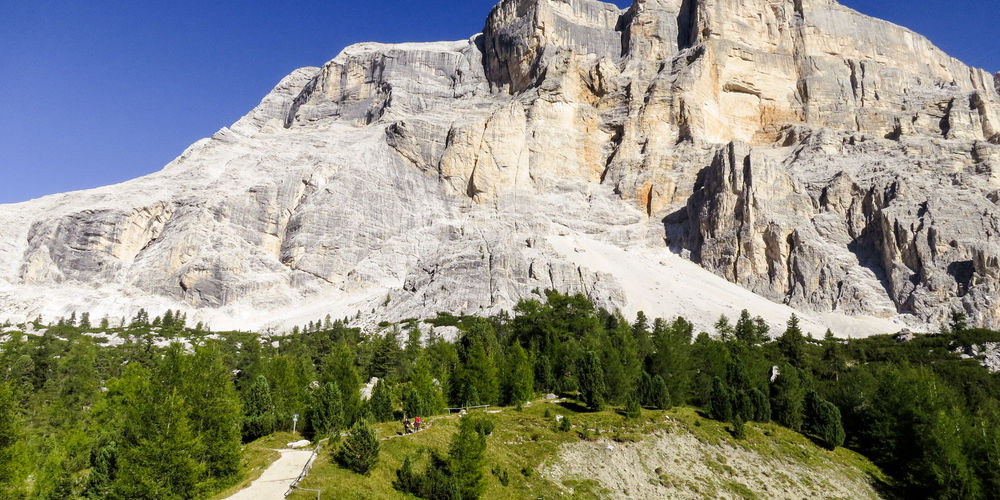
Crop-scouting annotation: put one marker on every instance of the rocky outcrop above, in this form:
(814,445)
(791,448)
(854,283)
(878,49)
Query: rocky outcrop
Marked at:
(808,153)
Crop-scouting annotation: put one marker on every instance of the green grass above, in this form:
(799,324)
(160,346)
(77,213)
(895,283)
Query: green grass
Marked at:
(257,456)
(523,441)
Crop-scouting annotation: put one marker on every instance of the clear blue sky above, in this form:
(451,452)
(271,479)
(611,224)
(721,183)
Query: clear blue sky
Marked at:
(97,91)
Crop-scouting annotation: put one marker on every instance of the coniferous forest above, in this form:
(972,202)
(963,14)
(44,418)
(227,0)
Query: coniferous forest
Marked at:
(160,409)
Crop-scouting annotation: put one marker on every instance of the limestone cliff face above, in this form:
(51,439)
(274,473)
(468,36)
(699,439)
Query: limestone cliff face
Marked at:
(808,153)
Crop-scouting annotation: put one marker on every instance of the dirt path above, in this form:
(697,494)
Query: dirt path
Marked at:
(274,482)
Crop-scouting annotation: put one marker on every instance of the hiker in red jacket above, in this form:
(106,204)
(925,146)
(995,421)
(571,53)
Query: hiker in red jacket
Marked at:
(416,423)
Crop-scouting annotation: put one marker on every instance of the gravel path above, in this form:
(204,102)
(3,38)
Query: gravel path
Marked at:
(274,482)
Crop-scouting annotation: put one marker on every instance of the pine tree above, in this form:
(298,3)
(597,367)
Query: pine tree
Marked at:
(216,411)
(339,367)
(792,343)
(466,456)
(519,377)
(739,428)
(360,449)
(380,403)
(632,408)
(413,404)
(13,452)
(324,414)
(422,379)
(591,380)
(721,401)
(157,453)
(787,398)
(746,330)
(258,410)
(761,406)
(480,373)
(659,396)
(833,356)
(829,426)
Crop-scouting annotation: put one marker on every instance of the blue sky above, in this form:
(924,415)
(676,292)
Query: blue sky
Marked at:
(99,91)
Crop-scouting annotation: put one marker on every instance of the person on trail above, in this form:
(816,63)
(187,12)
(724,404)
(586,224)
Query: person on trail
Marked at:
(406,425)
(416,423)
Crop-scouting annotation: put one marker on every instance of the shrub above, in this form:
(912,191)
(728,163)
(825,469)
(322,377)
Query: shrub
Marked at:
(565,425)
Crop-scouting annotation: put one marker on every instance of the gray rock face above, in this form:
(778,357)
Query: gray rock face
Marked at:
(822,159)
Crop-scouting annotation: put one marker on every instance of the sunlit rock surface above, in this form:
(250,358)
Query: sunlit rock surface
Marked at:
(823,160)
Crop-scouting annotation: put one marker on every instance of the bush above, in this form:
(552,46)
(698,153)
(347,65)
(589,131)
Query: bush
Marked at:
(739,428)
(632,408)
(359,452)
(565,425)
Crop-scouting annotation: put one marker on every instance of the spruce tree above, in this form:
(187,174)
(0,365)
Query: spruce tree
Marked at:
(466,456)
(324,415)
(659,396)
(431,397)
(761,406)
(739,427)
(633,409)
(792,343)
(519,377)
(721,401)
(829,426)
(216,411)
(158,456)
(591,380)
(339,367)
(13,453)
(787,398)
(360,449)
(258,410)
(380,403)
(413,404)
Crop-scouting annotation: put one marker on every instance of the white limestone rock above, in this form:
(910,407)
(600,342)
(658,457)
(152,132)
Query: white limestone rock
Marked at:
(822,159)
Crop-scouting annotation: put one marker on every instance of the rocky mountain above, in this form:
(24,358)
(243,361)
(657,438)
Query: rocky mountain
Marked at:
(802,154)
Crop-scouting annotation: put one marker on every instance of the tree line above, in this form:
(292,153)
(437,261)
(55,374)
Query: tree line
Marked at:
(85,417)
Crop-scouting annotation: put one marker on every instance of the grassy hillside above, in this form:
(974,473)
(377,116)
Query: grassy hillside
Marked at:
(676,453)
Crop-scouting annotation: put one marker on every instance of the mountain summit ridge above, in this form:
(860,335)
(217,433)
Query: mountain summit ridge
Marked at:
(821,159)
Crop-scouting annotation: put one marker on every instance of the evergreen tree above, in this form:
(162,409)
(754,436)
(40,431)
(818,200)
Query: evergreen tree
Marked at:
(672,359)
(430,394)
(591,379)
(519,377)
(158,456)
(13,453)
(739,428)
(833,356)
(659,396)
(787,398)
(958,322)
(339,367)
(360,449)
(747,332)
(721,401)
(413,404)
(743,405)
(829,426)
(632,408)
(467,450)
(324,414)
(258,410)
(216,411)
(792,343)
(381,402)
(761,406)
